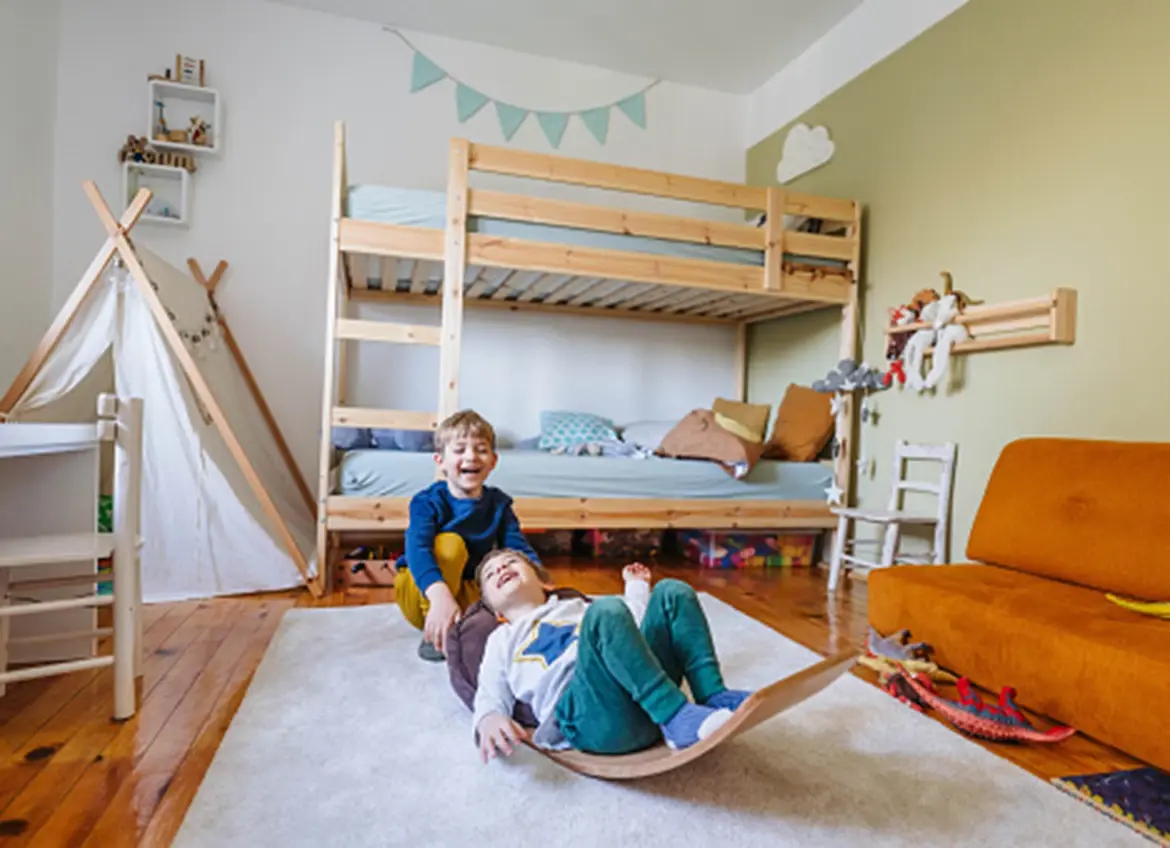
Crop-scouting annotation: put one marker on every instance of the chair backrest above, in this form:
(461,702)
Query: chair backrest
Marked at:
(944,454)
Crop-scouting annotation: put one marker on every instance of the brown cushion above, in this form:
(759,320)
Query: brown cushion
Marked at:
(804,424)
(752,417)
(1068,651)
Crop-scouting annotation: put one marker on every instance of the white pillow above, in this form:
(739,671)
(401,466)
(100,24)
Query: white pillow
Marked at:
(647,435)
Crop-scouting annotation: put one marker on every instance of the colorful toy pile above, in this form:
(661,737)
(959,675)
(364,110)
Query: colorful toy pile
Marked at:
(737,549)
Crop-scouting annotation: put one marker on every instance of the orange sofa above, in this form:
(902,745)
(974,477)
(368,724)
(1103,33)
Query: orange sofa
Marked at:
(1063,521)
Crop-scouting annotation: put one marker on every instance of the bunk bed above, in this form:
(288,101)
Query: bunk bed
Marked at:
(474,248)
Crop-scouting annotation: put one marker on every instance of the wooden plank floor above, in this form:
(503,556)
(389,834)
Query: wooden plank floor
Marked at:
(69,776)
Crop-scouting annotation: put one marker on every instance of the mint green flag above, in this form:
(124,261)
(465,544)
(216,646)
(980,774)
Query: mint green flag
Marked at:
(553,124)
(468,101)
(424,72)
(511,117)
(635,108)
(597,122)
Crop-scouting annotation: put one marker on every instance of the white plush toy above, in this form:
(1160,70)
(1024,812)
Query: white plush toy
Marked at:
(942,333)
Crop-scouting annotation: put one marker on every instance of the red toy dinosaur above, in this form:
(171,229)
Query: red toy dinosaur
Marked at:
(1002,723)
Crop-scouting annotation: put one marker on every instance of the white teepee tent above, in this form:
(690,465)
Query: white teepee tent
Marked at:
(224,511)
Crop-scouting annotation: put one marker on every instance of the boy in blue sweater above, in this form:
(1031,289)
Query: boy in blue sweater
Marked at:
(454,523)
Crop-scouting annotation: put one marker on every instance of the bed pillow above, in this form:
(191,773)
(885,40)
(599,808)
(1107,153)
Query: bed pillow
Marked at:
(647,435)
(418,441)
(352,438)
(560,429)
(751,418)
(804,424)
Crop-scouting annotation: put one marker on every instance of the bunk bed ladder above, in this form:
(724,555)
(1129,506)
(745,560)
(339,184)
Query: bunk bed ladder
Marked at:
(342,329)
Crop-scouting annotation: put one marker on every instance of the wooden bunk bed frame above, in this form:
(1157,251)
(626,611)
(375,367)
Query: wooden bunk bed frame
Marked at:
(579,281)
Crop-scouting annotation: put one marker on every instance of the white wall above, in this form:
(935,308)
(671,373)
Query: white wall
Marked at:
(872,31)
(285,75)
(28,84)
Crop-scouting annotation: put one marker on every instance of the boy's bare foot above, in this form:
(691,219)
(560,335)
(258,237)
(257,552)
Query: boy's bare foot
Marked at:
(636,571)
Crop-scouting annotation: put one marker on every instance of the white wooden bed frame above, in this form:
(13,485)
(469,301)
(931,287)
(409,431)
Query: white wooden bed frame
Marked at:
(579,281)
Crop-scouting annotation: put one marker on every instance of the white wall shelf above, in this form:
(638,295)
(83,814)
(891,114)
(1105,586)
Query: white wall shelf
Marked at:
(180,103)
(171,189)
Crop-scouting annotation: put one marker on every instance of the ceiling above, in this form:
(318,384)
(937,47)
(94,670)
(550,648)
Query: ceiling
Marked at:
(733,46)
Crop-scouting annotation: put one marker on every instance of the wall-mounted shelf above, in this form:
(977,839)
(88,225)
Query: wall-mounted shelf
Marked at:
(170,187)
(1019,323)
(180,103)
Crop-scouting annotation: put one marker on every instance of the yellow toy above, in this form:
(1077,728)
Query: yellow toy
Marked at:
(1161,609)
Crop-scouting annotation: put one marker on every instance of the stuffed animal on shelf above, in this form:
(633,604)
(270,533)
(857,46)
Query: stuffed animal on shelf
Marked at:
(198,131)
(136,149)
(943,333)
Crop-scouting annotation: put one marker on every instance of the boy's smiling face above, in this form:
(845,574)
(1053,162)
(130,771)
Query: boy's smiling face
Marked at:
(508,582)
(465,462)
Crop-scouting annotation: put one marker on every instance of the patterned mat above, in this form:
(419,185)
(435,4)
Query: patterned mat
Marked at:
(1138,798)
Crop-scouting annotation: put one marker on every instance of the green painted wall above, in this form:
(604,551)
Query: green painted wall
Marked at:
(1022,145)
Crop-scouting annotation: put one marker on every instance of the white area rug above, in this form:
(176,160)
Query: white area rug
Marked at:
(345,738)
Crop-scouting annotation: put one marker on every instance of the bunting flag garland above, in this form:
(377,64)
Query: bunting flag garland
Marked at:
(468,102)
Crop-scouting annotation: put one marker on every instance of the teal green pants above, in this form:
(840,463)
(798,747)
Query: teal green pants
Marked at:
(627,679)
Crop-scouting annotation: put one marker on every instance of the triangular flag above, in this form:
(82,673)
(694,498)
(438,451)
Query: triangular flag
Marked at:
(468,101)
(511,117)
(597,121)
(424,73)
(553,124)
(635,108)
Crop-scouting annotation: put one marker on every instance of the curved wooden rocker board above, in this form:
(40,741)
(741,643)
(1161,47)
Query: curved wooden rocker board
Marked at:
(763,704)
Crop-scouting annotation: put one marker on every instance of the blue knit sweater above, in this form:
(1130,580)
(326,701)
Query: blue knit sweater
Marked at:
(484,523)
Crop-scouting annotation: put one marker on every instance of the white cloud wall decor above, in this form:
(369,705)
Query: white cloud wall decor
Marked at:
(805,148)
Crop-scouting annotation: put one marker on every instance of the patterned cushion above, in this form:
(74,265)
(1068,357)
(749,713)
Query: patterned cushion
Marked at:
(565,429)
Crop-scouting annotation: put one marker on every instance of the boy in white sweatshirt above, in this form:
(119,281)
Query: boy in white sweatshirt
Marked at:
(600,676)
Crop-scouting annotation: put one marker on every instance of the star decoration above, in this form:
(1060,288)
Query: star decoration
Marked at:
(834,493)
(547,642)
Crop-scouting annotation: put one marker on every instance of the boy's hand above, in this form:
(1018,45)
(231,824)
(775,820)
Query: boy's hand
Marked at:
(442,614)
(636,571)
(497,731)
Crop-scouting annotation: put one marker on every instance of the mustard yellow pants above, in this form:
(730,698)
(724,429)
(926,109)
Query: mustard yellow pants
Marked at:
(451,555)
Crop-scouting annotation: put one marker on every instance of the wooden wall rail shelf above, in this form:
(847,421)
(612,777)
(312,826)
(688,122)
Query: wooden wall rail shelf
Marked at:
(1051,319)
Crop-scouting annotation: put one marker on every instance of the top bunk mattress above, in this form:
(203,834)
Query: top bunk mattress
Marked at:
(420,208)
(538,474)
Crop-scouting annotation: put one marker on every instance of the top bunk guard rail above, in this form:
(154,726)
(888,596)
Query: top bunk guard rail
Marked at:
(793,271)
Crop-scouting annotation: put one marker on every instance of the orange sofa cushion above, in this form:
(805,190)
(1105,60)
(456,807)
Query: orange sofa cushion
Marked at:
(1069,652)
(1088,512)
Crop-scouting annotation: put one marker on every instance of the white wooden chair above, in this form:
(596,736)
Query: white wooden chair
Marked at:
(61,488)
(894,516)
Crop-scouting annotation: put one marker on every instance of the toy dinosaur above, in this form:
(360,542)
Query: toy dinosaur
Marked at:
(1002,723)
(895,646)
(889,654)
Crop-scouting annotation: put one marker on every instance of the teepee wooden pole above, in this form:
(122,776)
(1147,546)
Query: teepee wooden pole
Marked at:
(250,379)
(65,317)
(198,383)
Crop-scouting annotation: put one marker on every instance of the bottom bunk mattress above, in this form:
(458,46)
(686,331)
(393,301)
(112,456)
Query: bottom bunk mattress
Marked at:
(537,474)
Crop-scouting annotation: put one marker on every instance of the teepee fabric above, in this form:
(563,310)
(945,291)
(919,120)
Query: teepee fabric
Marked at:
(204,531)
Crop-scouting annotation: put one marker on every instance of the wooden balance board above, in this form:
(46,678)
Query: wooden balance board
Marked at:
(763,704)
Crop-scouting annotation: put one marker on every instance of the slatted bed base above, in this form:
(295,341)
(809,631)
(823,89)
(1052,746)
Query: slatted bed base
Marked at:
(347,513)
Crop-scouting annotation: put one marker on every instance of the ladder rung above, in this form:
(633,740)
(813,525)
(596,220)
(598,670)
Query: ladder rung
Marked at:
(385,331)
(66,636)
(52,606)
(33,672)
(398,419)
(924,488)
